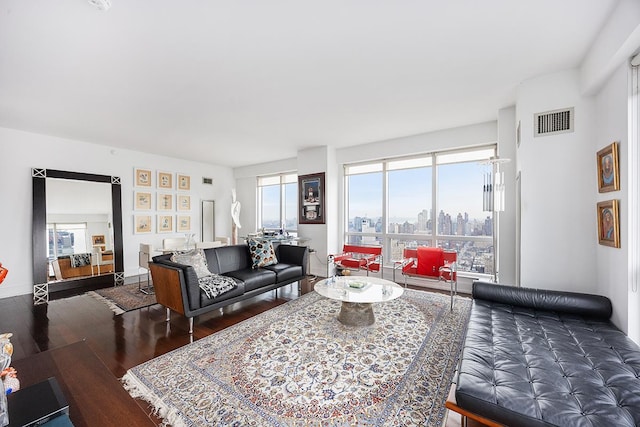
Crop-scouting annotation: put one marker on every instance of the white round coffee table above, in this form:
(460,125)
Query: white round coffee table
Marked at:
(358,294)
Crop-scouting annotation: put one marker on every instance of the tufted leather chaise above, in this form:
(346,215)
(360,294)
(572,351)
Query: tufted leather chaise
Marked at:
(547,358)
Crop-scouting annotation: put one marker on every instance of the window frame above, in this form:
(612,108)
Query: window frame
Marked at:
(433,237)
(281,180)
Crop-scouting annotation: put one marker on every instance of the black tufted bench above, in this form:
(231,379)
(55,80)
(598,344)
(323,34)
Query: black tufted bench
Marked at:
(546,358)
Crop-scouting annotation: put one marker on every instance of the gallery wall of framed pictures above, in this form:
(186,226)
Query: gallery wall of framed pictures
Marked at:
(162,201)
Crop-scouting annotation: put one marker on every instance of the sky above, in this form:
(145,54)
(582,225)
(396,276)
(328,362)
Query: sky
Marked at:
(460,191)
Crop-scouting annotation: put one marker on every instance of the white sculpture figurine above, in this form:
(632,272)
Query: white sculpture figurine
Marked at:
(235,215)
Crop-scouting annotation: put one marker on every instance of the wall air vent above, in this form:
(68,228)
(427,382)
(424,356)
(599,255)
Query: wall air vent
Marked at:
(553,122)
(208,181)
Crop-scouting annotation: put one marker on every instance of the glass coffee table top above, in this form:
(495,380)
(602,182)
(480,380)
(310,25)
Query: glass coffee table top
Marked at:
(358,294)
(359,289)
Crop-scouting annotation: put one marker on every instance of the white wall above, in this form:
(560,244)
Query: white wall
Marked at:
(507,220)
(22,151)
(611,125)
(558,180)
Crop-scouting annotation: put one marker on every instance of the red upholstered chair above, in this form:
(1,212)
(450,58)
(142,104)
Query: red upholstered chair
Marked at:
(430,263)
(356,257)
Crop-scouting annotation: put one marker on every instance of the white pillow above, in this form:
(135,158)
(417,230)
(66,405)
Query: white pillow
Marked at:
(195,259)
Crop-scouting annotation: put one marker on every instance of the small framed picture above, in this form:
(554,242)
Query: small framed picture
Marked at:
(165,202)
(184,223)
(608,224)
(142,224)
(165,223)
(184,202)
(98,239)
(184,182)
(142,177)
(142,200)
(608,169)
(165,180)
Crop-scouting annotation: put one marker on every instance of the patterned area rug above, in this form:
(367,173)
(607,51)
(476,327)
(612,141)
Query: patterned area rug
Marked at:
(296,365)
(121,299)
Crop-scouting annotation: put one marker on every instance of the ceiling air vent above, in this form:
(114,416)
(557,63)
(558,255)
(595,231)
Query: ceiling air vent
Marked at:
(553,122)
(207,180)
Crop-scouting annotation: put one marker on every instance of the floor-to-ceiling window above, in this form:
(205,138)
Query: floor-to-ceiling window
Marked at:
(278,202)
(435,199)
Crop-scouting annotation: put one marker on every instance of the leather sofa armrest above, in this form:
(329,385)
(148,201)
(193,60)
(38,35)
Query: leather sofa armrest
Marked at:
(589,305)
(188,282)
(295,255)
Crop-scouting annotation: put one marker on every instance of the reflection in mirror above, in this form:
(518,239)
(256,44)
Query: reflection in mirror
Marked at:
(75,227)
(79,229)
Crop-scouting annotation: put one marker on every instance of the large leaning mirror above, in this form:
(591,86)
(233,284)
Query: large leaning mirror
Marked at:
(77,231)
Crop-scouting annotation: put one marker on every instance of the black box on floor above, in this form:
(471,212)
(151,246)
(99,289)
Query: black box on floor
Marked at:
(36,404)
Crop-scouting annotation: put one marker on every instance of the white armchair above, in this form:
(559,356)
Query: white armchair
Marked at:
(174,244)
(207,245)
(144,258)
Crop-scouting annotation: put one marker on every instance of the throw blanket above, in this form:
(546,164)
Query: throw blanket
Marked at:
(216,284)
(80,260)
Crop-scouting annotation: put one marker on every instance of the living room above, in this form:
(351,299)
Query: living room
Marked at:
(548,232)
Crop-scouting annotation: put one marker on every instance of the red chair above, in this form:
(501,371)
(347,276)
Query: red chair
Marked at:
(356,257)
(430,263)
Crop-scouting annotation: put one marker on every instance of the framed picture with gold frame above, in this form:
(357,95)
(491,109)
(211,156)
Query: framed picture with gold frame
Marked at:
(184,182)
(608,223)
(165,202)
(183,223)
(165,223)
(608,169)
(142,177)
(165,180)
(142,200)
(184,202)
(142,224)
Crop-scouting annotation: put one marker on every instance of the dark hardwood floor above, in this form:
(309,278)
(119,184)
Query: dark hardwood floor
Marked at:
(120,341)
(124,341)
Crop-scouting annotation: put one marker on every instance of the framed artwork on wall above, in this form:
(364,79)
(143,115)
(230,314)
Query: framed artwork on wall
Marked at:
(165,180)
(165,223)
(142,224)
(165,202)
(184,223)
(311,199)
(184,182)
(184,202)
(608,224)
(142,177)
(608,169)
(142,200)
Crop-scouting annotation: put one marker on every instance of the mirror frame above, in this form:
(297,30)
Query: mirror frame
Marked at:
(39,231)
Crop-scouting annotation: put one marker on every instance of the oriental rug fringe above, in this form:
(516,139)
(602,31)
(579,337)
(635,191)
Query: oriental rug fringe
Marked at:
(296,365)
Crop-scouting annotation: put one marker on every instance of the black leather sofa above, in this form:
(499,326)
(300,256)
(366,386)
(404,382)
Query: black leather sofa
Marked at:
(547,358)
(177,288)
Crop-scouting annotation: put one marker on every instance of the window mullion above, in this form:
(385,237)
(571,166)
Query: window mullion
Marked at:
(434,201)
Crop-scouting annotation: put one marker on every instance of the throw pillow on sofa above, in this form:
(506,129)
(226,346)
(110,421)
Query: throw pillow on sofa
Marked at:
(262,253)
(195,259)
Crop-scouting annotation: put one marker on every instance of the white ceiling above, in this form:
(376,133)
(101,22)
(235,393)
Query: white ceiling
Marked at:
(238,82)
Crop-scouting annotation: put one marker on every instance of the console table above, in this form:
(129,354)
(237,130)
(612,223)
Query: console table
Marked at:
(96,397)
